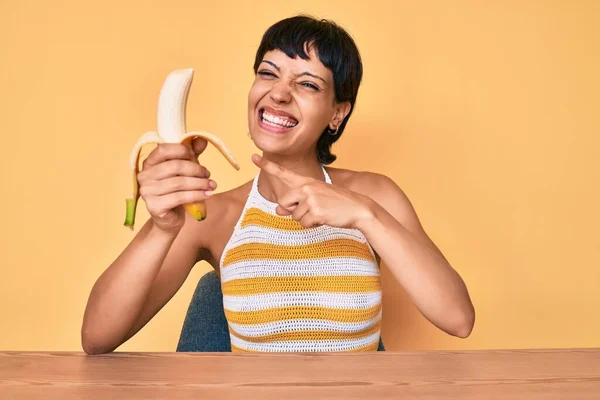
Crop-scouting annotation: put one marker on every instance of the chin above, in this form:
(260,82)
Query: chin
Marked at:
(270,145)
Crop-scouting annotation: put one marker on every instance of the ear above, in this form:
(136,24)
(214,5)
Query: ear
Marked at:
(340,112)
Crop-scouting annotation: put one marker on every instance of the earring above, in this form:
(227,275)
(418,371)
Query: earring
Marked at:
(332,132)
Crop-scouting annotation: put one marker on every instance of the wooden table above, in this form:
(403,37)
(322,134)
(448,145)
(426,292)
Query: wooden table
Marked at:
(519,374)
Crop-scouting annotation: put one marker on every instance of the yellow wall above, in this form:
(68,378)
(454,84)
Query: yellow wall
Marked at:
(485,113)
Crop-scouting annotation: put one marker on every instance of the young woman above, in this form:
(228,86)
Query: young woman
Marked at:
(297,248)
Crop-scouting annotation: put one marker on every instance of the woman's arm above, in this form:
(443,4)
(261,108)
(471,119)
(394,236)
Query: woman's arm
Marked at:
(137,285)
(395,233)
(375,205)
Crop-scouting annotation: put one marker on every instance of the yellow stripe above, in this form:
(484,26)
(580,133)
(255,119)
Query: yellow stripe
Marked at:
(308,335)
(330,284)
(325,249)
(257,217)
(302,312)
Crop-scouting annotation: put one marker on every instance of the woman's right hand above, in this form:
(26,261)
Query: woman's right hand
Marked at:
(171,176)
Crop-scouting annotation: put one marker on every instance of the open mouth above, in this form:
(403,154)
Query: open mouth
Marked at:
(276,119)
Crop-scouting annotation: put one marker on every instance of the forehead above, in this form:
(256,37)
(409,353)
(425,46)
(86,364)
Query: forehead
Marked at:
(299,65)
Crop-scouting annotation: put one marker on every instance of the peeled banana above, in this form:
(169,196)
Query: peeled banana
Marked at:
(172,129)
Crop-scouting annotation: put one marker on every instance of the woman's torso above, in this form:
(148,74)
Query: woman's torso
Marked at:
(333,301)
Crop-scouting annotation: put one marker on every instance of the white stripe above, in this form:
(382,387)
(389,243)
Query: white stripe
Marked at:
(259,234)
(345,301)
(306,345)
(302,325)
(337,266)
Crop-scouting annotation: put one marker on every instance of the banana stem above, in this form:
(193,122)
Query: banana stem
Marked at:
(130,212)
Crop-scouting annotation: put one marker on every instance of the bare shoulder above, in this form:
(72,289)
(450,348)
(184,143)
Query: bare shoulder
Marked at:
(387,194)
(383,190)
(375,185)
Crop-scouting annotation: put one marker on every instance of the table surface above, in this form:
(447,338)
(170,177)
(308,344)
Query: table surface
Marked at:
(516,374)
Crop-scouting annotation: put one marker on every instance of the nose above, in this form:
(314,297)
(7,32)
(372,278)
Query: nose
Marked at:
(280,92)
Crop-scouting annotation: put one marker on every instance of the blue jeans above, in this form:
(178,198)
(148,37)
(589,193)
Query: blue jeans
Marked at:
(205,327)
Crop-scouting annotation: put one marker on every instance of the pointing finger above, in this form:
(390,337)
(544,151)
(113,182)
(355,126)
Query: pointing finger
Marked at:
(288,177)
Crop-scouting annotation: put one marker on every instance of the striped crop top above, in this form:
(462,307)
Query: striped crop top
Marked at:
(287,288)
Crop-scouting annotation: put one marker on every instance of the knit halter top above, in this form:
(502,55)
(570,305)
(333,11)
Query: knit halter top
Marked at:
(287,288)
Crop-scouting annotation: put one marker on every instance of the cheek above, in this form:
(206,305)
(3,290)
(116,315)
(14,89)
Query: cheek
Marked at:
(315,110)
(252,95)
(257,91)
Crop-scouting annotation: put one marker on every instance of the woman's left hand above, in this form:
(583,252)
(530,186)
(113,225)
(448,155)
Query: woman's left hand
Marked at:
(313,202)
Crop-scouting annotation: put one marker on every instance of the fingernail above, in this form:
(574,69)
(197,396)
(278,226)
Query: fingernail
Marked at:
(212,184)
(208,193)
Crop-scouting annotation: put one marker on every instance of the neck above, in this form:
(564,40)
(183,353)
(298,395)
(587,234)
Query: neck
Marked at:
(273,189)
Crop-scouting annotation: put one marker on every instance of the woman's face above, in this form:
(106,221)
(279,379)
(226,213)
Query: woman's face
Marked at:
(290,103)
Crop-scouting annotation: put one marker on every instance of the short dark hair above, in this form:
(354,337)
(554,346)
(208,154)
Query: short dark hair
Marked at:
(336,50)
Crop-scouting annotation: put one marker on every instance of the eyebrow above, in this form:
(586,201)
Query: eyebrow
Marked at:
(302,74)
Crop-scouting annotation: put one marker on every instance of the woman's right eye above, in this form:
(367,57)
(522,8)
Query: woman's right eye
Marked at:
(266,73)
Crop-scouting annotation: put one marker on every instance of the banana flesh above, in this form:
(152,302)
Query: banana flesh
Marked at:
(171,125)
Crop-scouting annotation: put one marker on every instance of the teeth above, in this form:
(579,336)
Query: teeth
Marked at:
(275,120)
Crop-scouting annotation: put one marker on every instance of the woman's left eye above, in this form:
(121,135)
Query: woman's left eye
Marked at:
(310,85)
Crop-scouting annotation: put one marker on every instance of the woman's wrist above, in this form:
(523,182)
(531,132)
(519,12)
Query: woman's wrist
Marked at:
(366,219)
